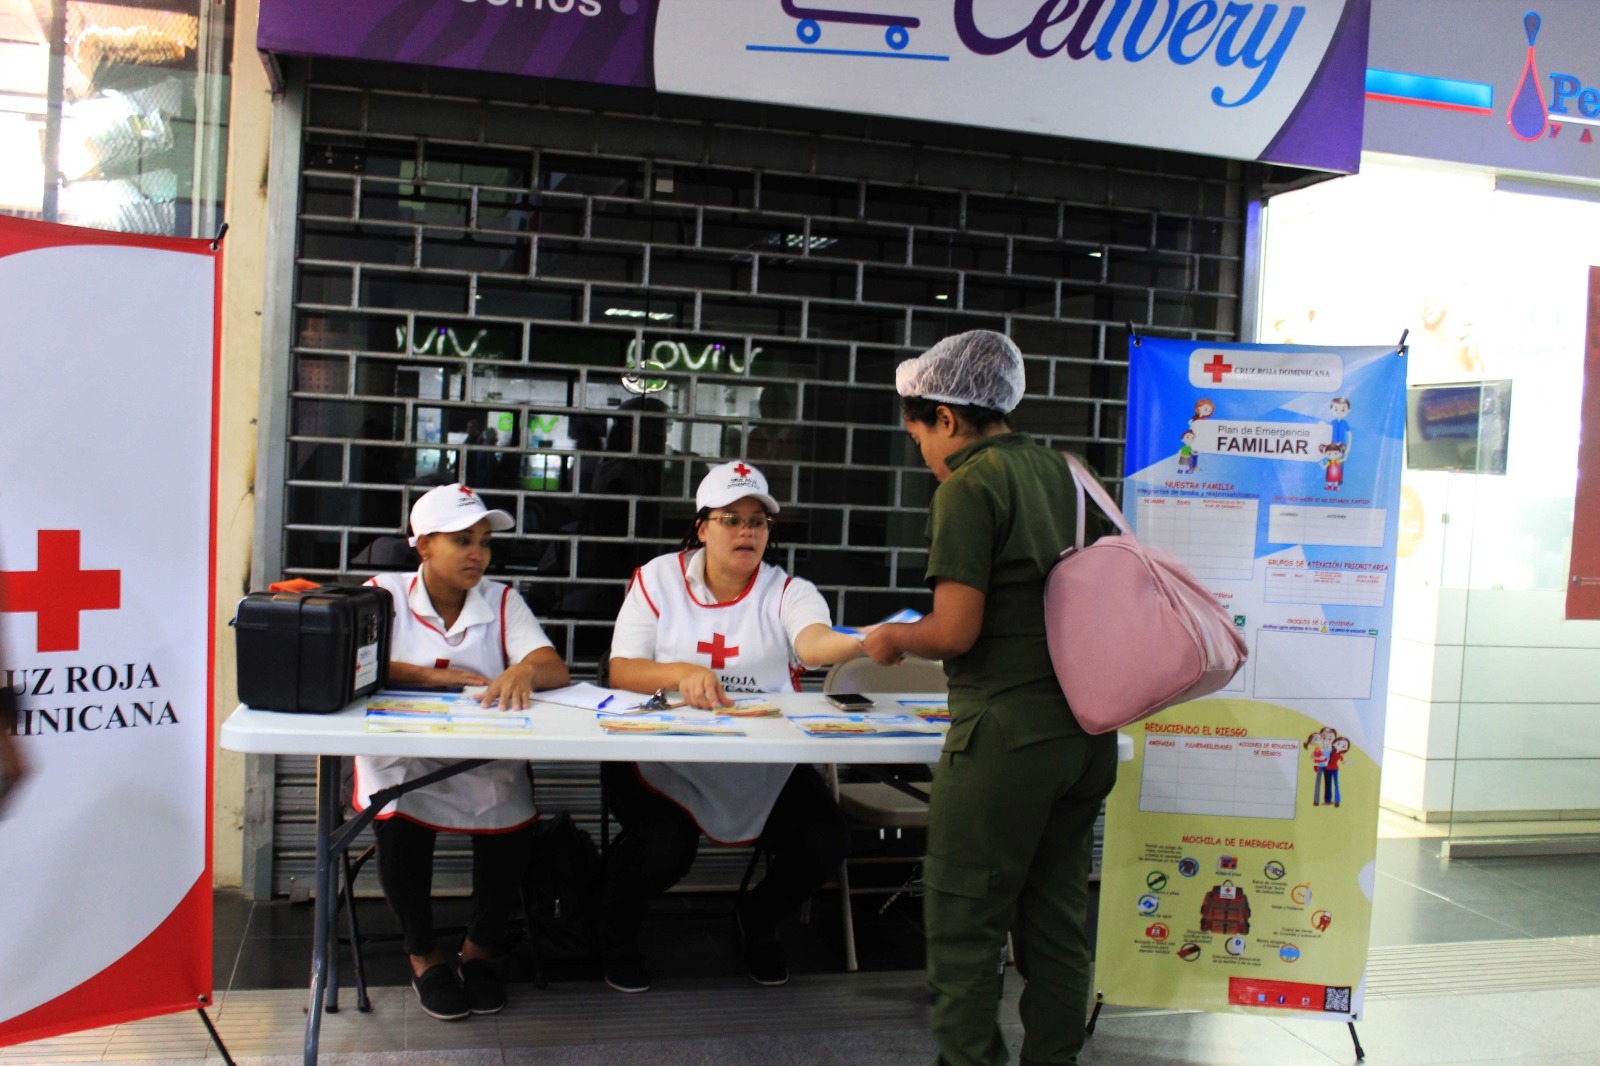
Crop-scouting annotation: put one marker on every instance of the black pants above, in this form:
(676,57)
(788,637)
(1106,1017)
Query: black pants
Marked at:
(405,870)
(805,838)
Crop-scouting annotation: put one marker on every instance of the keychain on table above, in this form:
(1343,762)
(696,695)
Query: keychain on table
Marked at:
(658,702)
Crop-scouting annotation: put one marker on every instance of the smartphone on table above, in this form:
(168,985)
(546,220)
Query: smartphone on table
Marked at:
(849,701)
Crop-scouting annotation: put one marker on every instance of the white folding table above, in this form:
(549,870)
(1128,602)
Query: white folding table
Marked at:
(559,734)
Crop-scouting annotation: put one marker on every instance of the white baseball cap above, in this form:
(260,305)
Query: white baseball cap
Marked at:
(728,482)
(452,507)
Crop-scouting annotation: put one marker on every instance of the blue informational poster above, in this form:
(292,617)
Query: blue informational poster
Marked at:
(1240,841)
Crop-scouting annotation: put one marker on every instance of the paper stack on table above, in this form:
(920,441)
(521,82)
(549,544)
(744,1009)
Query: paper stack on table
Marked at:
(931,710)
(750,707)
(867,725)
(669,725)
(395,711)
(593,698)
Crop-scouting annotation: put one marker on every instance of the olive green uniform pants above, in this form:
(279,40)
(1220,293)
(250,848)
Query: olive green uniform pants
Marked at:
(1009,850)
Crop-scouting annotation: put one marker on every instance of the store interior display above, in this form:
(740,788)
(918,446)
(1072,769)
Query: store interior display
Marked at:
(1461,426)
(127,135)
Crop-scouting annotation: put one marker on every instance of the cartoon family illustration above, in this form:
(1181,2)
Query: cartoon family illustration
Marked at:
(1188,461)
(1337,450)
(1334,454)
(1327,749)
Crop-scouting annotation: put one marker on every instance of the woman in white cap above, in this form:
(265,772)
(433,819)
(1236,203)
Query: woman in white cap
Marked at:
(709,621)
(1018,787)
(452,628)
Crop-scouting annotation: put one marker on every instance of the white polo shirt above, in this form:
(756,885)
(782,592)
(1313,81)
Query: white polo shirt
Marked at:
(495,629)
(671,615)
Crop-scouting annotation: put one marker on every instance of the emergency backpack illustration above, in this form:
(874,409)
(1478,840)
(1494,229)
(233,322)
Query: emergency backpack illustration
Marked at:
(1225,910)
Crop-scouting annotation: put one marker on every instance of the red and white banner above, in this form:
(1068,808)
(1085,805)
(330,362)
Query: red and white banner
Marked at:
(1583,577)
(108,405)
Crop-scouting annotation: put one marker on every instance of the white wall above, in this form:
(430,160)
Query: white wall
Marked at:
(243,285)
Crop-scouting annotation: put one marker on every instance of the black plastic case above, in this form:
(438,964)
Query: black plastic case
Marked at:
(314,651)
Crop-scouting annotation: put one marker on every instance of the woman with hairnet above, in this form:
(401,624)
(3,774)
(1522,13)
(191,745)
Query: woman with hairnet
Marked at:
(1019,783)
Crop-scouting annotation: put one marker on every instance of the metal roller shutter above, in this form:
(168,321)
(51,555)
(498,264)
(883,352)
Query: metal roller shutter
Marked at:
(575,297)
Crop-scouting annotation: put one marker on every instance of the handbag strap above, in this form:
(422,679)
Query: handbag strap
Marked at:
(1085,482)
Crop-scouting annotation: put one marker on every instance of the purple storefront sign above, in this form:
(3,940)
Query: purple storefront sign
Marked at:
(1325,129)
(1249,79)
(604,41)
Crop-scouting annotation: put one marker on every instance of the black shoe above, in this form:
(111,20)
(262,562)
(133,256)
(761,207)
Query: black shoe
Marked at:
(764,958)
(441,993)
(626,973)
(484,990)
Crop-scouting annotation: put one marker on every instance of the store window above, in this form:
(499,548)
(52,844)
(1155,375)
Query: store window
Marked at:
(1492,685)
(114,116)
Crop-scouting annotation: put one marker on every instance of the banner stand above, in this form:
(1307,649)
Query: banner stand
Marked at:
(108,543)
(222,1049)
(1100,1001)
(1241,840)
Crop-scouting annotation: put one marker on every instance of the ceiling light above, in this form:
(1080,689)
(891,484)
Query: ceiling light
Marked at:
(629,312)
(800,241)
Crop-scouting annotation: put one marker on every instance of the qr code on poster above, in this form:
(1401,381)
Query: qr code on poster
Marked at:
(1336,999)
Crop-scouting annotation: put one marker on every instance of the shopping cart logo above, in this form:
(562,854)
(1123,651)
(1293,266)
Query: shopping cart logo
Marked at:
(810,19)
(1253,38)
(809,22)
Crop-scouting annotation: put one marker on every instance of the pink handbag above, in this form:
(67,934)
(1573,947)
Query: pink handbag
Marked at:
(1130,629)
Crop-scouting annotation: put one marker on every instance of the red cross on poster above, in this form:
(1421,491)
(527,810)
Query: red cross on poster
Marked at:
(59,591)
(107,395)
(719,650)
(1216,368)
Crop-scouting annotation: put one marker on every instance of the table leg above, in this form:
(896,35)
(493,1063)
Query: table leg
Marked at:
(333,840)
(323,905)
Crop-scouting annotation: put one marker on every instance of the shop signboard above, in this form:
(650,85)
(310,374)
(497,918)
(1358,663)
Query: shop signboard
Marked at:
(1240,841)
(1515,86)
(1243,79)
(107,467)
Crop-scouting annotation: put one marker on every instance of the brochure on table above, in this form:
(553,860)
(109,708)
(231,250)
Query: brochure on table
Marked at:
(405,711)
(670,725)
(1240,840)
(868,725)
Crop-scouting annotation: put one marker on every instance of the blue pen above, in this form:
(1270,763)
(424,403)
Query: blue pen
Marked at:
(603,703)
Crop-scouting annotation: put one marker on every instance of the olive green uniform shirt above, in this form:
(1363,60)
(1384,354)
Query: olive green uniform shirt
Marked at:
(998,523)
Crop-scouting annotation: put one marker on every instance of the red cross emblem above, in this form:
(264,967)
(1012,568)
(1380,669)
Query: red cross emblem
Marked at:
(1216,368)
(718,649)
(58,591)
(741,470)
(465,491)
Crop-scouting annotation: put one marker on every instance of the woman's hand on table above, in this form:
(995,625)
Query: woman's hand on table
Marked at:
(512,690)
(450,677)
(701,688)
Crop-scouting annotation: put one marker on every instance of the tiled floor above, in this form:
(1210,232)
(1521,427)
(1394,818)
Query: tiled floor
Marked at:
(1473,961)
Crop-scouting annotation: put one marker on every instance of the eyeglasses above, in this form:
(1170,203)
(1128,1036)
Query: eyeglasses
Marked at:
(733,521)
